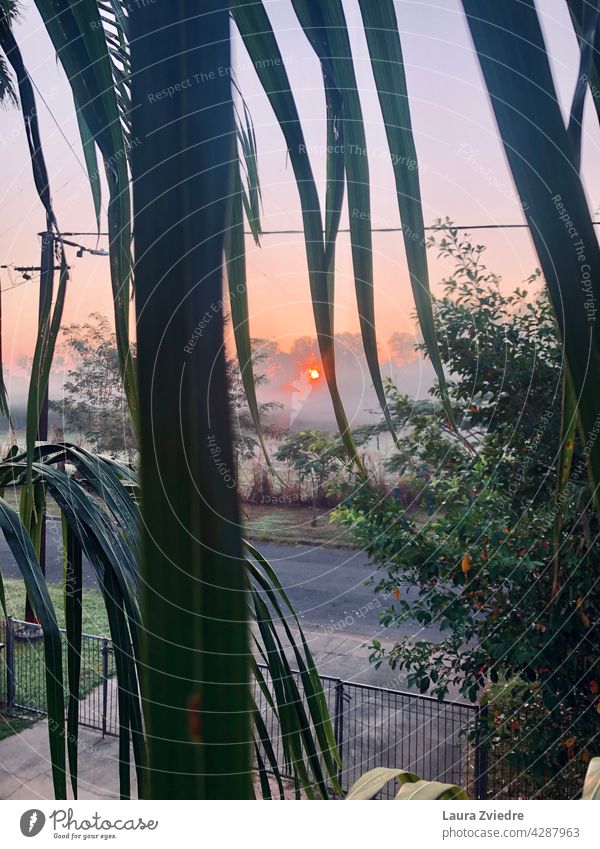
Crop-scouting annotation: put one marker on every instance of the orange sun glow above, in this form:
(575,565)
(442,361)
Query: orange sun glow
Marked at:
(314,373)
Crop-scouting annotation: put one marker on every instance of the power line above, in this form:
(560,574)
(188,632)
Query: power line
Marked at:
(401,229)
(299,231)
(81,249)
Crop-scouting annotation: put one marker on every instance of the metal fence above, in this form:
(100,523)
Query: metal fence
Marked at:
(23,678)
(373,726)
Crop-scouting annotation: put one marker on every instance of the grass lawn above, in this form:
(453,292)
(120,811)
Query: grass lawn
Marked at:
(13,725)
(30,685)
(292,525)
(95,620)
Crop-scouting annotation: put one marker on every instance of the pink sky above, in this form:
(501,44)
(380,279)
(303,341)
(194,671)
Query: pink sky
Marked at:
(462,169)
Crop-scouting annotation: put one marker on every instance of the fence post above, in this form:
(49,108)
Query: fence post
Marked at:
(338,722)
(481,754)
(105,650)
(10,663)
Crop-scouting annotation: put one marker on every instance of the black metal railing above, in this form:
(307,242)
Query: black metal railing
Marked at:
(23,678)
(372,726)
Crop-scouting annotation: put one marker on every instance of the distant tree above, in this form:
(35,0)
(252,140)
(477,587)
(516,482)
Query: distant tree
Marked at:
(93,403)
(244,436)
(402,347)
(316,456)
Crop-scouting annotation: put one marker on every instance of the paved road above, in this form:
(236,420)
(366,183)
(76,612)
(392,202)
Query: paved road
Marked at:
(325,585)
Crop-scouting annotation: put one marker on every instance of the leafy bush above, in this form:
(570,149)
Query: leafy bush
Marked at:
(481,568)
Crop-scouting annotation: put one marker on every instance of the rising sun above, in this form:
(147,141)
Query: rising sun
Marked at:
(314,373)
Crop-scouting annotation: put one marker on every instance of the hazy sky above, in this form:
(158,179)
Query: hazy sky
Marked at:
(462,169)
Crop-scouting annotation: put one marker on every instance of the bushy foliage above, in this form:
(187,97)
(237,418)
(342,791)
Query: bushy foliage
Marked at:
(317,458)
(480,566)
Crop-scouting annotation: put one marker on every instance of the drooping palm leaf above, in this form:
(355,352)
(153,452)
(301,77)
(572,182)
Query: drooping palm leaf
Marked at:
(103,526)
(510,45)
(235,259)
(590,16)
(411,786)
(259,40)
(582,13)
(194,582)
(387,62)
(29,110)
(79,38)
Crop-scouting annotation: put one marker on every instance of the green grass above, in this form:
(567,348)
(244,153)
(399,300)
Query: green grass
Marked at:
(30,688)
(292,526)
(285,525)
(95,620)
(10,725)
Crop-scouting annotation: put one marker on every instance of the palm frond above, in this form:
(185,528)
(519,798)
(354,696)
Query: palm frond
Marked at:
(103,527)
(512,54)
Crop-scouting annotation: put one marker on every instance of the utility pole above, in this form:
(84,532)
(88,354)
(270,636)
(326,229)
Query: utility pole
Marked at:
(45,302)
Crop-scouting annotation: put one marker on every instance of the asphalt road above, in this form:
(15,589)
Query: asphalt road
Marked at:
(325,585)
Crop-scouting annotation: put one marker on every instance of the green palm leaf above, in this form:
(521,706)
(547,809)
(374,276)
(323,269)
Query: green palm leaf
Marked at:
(512,55)
(78,35)
(387,62)
(27,562)
(325,26)
(258,37)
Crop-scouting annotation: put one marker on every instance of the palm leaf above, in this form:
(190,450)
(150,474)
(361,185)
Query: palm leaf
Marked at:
(301,711)
(582,13)
(100,527)
(387,62)
(325,26)
(4,405)
(73,583)
(49,328)
(259,40)
(411,786)
(590,15)
(199,735)
(91,162)
(27,562)
(512,55)
(79,38)
(591,787)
